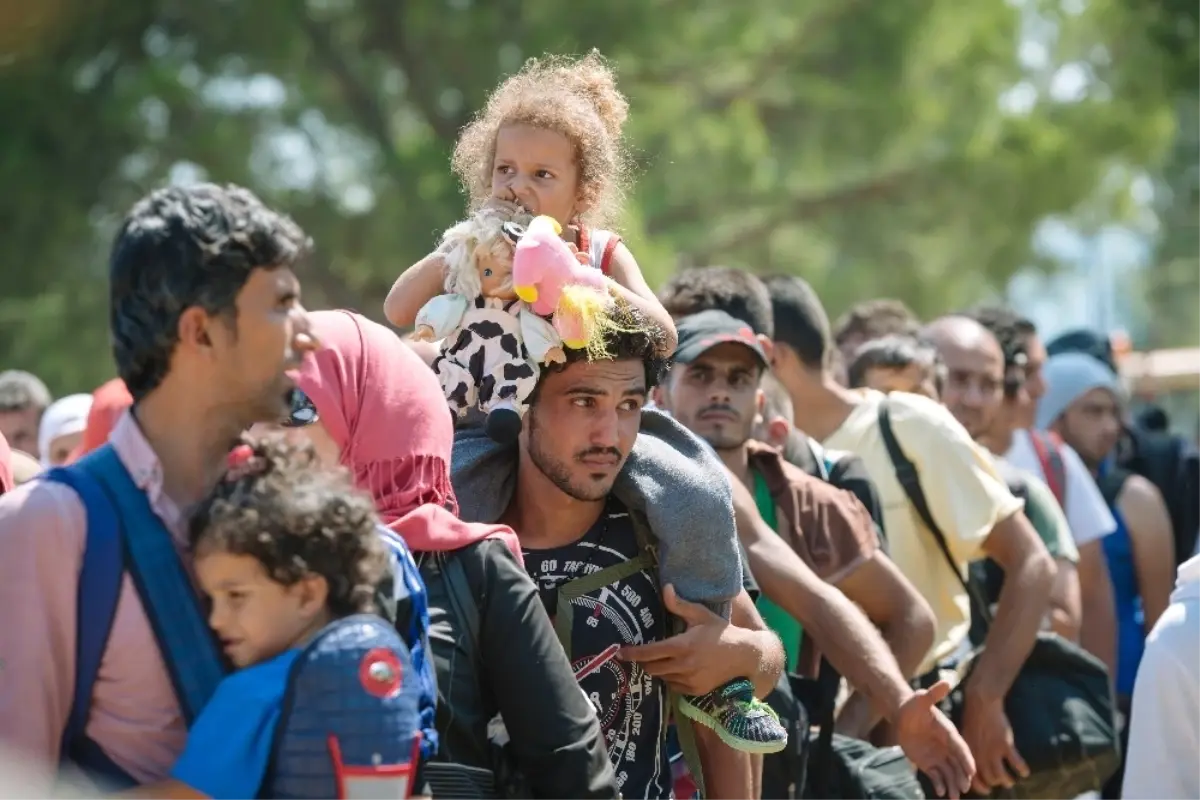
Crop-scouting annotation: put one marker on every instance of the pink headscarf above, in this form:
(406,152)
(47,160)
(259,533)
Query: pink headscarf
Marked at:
(386,411)
(109,402)
(6,472)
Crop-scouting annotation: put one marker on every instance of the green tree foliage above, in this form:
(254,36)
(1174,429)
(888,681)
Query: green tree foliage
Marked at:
(900,148)
(1172,283)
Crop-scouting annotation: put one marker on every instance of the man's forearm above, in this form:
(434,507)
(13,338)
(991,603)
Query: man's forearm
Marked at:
(1098,627)
(909,639)
(1098,638)
(1019,614)
(761,649)
(854,648)
(1066,609)
(764,660)
(844,634)
(909,644)
(726,771)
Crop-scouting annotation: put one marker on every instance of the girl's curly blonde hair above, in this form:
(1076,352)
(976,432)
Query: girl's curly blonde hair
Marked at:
(575,97)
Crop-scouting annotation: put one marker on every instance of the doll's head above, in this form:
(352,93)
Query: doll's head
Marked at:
(479,254)
(549,138)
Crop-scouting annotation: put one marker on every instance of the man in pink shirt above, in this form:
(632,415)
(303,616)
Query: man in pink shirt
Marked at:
(206,321)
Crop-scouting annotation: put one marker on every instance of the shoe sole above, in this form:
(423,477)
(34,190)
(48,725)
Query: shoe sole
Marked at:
(741,745)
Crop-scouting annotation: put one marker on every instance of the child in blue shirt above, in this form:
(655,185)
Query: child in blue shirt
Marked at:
(282,547)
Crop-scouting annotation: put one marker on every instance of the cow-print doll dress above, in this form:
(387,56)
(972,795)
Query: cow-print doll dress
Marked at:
(487,364)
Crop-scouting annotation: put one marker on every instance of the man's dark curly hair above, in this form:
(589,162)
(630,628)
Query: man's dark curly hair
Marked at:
(1011,330)
(874,319)
(634,337)
(738,293)
(895,352)
(297,519)
(187,246)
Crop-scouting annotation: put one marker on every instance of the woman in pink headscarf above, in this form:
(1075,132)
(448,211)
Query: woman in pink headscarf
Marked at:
(369,402)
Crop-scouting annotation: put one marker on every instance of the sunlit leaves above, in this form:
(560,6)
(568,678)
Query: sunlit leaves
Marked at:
(905,148)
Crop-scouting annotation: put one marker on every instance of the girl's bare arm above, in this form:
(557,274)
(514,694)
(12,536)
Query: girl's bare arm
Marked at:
(632,288)
(415,287)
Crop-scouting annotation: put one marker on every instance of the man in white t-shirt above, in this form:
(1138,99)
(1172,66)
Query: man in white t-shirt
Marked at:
(1060,467)
(1087,513)
(1165,730)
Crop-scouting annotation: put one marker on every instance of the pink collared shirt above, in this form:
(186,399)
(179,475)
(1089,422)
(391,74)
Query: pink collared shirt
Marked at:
(135,717)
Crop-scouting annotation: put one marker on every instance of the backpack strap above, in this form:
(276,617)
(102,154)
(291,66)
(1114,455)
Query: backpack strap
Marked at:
(910,482)
(451,779)
(573,590)
(97,597)
(411,621)
(824,463)
(1110,482)
(466,608)
(169,600)
(685,728)
(647,559)
(1049,456)
(606,257)
(819,696)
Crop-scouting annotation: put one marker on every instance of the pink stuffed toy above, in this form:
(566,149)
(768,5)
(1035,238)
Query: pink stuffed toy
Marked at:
(550,278)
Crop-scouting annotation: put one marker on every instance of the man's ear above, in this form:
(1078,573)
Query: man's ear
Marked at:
(313,592)
(778,430)
(760,402)
(194,328)
(659,395)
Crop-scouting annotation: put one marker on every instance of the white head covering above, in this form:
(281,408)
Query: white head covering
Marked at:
(65,416)
(1068,377)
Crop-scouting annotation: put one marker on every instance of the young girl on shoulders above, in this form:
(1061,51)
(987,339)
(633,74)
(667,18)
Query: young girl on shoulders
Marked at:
(550,141)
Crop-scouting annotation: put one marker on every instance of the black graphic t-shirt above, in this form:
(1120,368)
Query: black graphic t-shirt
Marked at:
(630,703)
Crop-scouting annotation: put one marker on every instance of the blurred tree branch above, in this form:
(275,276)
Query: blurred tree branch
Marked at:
(867,144)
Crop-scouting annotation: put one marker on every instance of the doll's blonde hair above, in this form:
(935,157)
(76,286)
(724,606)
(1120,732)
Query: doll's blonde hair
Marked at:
(481,233)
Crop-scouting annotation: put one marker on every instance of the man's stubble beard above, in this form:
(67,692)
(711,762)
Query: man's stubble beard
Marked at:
(732,440)
(556,471)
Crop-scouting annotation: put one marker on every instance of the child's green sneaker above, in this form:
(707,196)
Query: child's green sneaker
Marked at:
(742,721)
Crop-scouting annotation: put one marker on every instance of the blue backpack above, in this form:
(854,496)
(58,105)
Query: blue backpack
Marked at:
(350,724)
(125,535)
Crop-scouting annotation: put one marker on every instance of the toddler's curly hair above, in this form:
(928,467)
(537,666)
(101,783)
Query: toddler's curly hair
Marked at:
(297,518)
(575,97)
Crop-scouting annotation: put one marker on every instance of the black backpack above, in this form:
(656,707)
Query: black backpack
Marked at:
(1172,464)
(843,767)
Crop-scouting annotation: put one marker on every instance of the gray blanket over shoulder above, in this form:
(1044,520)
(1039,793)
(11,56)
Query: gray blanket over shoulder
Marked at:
(671,476)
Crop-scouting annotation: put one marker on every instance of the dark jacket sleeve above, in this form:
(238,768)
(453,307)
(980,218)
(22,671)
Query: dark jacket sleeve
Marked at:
(552,726)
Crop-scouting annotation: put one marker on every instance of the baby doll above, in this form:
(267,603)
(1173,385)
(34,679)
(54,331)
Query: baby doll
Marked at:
(493,345)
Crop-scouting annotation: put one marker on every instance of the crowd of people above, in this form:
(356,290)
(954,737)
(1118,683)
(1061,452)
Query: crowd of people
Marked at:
(734,551)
